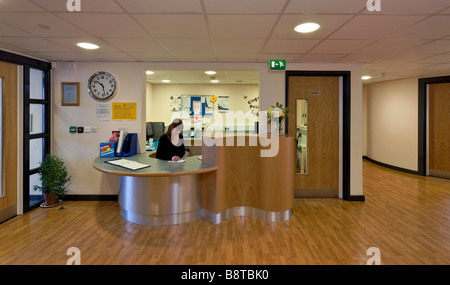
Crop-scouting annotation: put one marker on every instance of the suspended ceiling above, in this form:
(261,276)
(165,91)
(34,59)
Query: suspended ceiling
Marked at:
(407,38)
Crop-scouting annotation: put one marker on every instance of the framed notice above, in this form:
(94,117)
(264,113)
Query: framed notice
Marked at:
(70,94)
(124,111)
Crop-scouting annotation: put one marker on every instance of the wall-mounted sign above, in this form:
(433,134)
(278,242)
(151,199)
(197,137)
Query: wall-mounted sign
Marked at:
(277,64)
(312,92)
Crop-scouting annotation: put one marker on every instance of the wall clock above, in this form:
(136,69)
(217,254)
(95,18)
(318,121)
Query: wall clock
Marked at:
(102,86)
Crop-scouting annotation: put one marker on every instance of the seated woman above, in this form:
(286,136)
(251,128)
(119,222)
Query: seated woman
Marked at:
(171,145)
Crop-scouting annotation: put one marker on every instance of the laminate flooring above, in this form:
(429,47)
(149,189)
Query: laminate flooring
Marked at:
(405,216)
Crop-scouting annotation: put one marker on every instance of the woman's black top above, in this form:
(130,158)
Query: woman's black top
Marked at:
(166,150)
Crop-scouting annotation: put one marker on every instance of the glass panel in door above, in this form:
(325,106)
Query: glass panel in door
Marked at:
(302,136)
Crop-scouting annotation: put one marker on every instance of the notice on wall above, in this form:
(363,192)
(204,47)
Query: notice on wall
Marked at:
(124,111)
(103,111)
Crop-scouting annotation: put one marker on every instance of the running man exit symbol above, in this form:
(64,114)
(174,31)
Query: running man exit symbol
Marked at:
(277,64)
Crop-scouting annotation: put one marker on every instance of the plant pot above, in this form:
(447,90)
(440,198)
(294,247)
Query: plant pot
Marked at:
(50,201)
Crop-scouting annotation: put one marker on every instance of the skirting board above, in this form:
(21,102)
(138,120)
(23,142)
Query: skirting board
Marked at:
(391,166)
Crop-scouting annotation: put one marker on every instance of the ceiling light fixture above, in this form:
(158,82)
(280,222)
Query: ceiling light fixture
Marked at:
(307,28)
(366,77)
(87,46)
(149,72)
(210,72)
(165,80)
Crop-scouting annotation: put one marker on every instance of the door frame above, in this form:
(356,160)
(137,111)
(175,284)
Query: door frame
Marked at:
(346,92)
(423,120)
(25,63)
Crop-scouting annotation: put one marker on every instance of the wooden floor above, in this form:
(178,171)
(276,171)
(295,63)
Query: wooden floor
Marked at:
(406,216)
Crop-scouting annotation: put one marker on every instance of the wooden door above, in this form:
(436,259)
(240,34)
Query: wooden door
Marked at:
(322,163)
(439,129)
(8,193)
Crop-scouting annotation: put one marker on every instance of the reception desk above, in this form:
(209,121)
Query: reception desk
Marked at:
(229,181)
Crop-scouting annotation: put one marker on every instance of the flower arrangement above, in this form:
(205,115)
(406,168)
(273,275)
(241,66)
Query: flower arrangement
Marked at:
(278,113)
(213,98)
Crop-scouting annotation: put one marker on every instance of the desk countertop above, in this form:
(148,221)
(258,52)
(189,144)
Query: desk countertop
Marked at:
(158,168)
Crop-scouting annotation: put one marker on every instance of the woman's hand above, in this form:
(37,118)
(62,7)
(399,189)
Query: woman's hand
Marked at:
(175,158)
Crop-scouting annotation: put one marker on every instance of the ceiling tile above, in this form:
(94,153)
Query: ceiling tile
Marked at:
(153,56)
(290,46)
(328,24)
(390,46)
(340,46)
(174,26)
(437,59)
(432,47)
(241,26)
(18,6)
(373,26)
(68,56)
(161,6)
(102,6)
(42,24)
(238,46)
(33,44)
(325,6)
(106,25)
(8,31)
(135,44)
(320,57)
(434,27)
(360,58)
(244,6)
(188,45)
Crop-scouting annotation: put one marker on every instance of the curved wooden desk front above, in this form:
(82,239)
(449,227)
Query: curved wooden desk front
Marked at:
(229,181)
(246,183)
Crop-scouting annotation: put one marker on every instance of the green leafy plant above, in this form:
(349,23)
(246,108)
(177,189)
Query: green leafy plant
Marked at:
(53,176)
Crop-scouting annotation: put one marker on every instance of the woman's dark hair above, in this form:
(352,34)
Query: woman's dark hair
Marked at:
(175,123)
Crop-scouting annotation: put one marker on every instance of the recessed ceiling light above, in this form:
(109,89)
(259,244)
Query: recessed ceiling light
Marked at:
(366,77)
(165,80)
(210,72)
(214,81)
(307,28)
(149,72)
(87,46)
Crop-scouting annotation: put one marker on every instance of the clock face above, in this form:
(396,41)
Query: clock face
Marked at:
(102,86)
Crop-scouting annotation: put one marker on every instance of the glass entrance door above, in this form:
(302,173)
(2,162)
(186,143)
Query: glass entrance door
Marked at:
(36,132)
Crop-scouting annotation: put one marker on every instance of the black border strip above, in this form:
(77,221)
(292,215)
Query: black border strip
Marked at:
(346,109)
(422,135)
(391,166)
(111,197)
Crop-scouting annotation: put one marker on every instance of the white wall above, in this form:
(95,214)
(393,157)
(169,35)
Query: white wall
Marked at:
(79,150)
(392,122)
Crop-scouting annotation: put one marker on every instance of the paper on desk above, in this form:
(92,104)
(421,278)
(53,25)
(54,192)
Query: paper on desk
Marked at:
(179,161)
(133,165)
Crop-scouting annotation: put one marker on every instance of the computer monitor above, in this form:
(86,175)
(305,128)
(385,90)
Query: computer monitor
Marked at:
(158,130)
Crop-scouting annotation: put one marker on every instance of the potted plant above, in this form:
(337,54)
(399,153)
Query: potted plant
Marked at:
(54,178)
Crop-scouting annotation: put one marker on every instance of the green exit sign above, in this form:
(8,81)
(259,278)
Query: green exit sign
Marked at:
(277,64)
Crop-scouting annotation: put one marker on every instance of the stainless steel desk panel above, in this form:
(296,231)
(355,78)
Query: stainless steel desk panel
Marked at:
(166,200)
